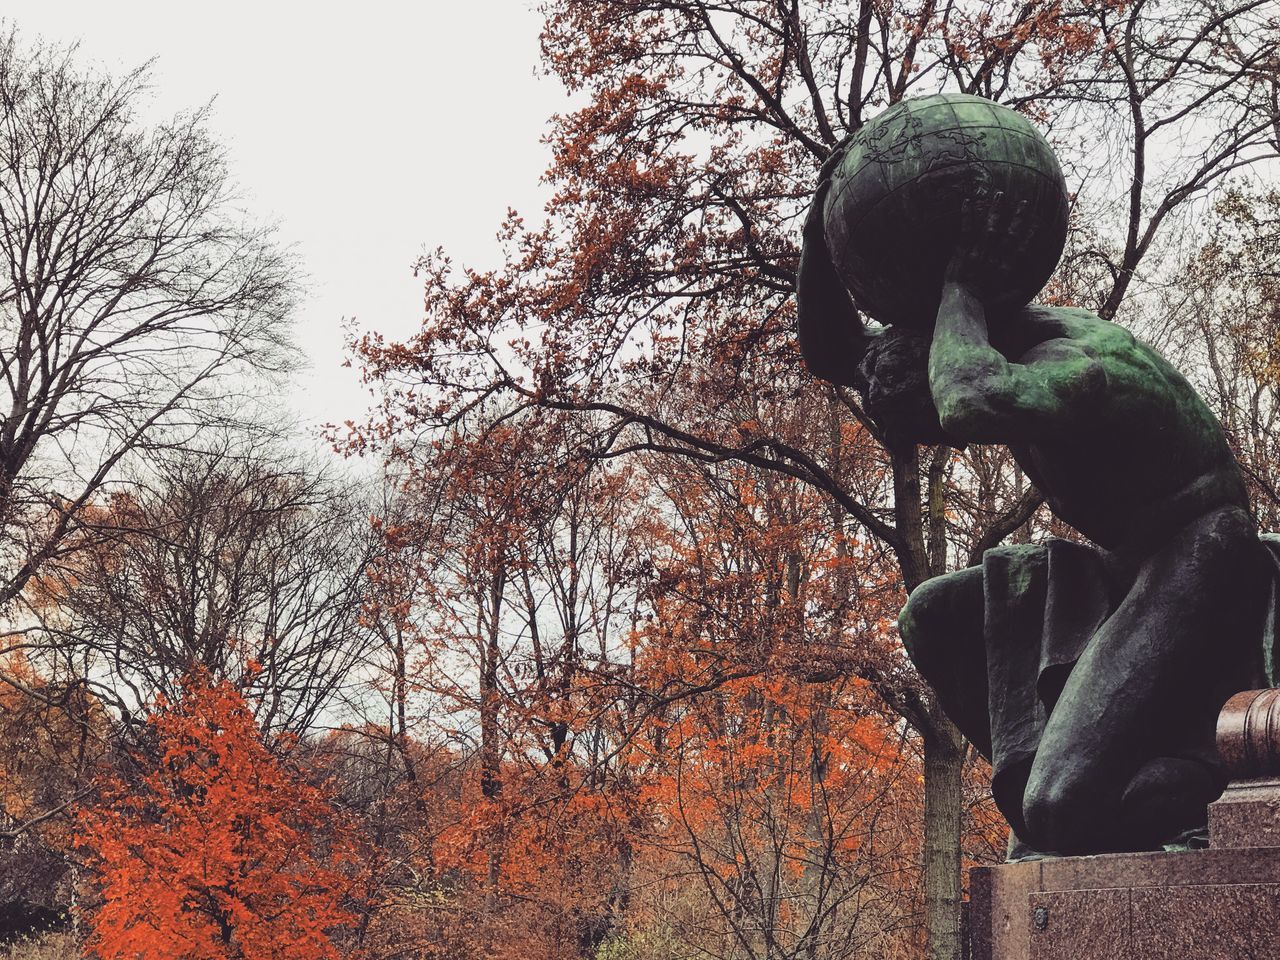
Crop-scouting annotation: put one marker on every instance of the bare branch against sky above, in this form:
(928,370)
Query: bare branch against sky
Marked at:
(369,132)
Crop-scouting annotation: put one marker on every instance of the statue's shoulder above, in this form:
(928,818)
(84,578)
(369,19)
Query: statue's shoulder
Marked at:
(1076,323)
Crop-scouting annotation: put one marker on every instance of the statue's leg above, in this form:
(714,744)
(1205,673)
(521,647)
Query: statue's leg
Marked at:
(1146,692)
(942,629)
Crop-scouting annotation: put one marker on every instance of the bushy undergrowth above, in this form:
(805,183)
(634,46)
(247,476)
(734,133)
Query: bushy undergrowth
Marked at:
(49,946)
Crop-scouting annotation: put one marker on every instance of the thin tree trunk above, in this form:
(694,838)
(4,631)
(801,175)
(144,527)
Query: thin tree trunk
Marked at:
(490,754)
(943,765)
(925,556)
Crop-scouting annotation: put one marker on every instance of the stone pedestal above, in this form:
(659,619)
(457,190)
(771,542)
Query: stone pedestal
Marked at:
(1200,905)
(1222,903)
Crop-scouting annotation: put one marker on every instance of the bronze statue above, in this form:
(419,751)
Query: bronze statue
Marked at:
(1090,675)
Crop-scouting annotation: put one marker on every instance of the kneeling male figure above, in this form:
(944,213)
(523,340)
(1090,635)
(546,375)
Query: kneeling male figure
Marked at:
(1090,675)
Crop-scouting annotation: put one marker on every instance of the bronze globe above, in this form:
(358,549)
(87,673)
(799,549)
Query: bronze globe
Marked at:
(894,215)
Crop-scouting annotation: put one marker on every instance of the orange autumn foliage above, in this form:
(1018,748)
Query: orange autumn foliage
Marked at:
(50,745)
(695,761)
(218,852)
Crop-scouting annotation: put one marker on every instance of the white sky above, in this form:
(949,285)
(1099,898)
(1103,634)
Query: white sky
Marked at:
(370,132)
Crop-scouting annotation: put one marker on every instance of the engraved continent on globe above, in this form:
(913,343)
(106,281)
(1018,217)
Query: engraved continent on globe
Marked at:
(894,214)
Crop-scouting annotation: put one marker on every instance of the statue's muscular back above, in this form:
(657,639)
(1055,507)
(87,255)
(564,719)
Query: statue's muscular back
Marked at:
(1113,748)
(1144,453)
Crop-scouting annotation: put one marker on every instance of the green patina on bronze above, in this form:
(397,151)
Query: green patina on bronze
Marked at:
(1090,674)
(892,213)
(1119,442)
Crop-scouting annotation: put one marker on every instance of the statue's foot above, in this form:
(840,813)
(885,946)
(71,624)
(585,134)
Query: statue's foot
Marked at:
(1195,839)
(1019,851)
(1167,801)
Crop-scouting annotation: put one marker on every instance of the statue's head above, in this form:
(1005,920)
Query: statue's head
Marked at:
(893,379)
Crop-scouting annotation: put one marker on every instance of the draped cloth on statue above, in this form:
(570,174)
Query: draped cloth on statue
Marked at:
(1042,605)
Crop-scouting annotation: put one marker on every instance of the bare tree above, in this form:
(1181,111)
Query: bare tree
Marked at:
(133,294)
(241,563)
(1221,318)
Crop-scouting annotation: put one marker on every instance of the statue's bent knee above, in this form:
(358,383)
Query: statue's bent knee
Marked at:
(1061,812)
(918,617)
(932,614)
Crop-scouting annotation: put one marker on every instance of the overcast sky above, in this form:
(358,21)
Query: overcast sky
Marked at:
(369,132)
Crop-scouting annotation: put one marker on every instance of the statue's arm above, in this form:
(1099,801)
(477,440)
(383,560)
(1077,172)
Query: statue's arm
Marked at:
(833,339)
(982,397)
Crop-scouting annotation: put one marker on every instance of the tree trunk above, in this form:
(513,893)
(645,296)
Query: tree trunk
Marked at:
(490,751)
(924,555)
(943,765)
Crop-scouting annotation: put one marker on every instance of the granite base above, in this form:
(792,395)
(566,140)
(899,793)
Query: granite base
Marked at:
(1216,904)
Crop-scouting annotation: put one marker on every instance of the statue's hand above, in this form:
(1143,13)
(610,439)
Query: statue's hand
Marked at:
(991,235)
